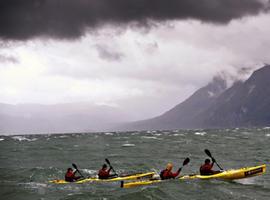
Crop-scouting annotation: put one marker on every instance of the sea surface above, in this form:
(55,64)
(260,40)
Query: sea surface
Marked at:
(29,162)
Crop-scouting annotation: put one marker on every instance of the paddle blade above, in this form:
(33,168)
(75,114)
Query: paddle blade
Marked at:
(107,161)
(208,153)
(186,161)
(74,165)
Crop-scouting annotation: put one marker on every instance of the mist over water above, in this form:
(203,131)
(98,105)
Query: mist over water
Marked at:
(28,162)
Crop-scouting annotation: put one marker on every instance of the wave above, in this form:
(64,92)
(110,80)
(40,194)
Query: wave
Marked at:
(149,137)
(200,133)
(89,171)
(109,133)
(128,145)
(2,139)
(21,138)
(266,128)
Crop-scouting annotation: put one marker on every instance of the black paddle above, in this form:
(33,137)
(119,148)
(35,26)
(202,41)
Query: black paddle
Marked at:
(75,166)
(108,162)
(185,162)
(210,155)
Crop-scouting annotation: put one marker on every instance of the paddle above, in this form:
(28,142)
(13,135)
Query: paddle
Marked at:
(75,166)
(210,155)
(108,162)
(185,162)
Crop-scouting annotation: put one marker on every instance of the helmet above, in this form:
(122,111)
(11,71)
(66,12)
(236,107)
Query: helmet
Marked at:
(207,161)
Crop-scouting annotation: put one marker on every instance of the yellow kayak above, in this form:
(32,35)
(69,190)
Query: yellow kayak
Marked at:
(120,178)
(232,174)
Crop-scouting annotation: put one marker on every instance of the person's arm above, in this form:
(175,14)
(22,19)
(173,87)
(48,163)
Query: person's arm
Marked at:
(109,170)
(176,173)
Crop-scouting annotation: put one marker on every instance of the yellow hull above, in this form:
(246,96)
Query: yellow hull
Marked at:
(226,175)
(231,174)
(123,178)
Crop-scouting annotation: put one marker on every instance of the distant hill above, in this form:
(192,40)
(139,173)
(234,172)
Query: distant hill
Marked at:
(213,106)
(70,117)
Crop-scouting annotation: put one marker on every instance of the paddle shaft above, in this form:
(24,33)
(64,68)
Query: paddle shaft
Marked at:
(75,166)
(109,163)
(210,155)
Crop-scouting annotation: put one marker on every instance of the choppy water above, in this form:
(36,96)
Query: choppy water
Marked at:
(28,162)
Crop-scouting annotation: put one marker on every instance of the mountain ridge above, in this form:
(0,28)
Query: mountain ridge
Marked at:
(244,104)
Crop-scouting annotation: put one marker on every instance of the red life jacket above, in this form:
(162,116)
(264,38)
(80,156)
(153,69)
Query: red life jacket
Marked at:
(103,174)
(70,176)
(166,174)
(206,169)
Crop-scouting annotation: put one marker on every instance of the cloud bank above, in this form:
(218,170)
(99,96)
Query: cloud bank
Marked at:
(70,19)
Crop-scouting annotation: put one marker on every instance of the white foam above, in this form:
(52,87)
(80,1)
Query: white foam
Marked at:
(267,135)
(2,139)
(89,171)
(63,136)
(109,133)
(151,131)
(128,145)
(266,128)
(247,181)
(200,133)
(149,137)
(21,138)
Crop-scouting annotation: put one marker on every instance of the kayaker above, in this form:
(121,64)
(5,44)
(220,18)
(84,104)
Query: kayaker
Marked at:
(104,173)
(206,168)
(70,175)
(167,173)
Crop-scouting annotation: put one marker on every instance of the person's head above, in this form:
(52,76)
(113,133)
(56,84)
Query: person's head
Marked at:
(207,161)
(169,166)
(69,170)
(104,166)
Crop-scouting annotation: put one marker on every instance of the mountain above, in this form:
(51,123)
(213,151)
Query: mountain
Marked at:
(183,114)
(245,104)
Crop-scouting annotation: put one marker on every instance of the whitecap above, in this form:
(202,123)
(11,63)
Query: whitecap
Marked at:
(63,136)
(267,135)
(109,133)
(178,134)
(21,138)
(149,137)
(128,145)
(89,171)
(2,139)
(151,131)
(266,128)
(200,133)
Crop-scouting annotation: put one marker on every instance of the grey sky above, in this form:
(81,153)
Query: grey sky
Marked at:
(142,56)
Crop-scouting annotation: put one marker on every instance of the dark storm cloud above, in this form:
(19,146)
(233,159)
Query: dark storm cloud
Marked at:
(68,19)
